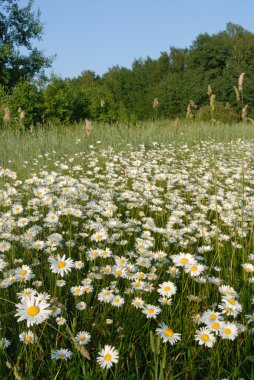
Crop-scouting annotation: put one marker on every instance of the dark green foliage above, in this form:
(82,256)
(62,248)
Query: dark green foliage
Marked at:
(19,26)
(127,95)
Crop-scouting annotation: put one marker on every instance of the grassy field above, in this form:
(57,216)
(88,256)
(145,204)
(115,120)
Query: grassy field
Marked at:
(128,254)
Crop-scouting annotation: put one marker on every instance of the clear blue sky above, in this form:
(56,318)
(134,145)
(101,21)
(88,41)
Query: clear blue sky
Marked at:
(98,34)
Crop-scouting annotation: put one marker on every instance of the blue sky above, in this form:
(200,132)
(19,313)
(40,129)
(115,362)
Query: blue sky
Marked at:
(98,34)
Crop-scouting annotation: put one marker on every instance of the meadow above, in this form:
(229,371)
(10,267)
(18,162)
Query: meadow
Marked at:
(127,254)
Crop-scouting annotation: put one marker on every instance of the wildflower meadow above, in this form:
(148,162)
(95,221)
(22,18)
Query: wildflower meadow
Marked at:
(128,259)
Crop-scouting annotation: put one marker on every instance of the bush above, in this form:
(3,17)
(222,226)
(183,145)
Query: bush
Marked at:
(223,113)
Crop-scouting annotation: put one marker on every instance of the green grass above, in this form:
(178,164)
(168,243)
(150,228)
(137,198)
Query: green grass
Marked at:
(179,190)
(18,147)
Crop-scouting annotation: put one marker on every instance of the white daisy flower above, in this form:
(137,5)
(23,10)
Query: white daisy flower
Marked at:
(167,289)
(229,331)
(28,337)
(167,334)
(62,354)
(107,357)
(60,265)
(205,337)
(83,338)
(151,311)
(33,310)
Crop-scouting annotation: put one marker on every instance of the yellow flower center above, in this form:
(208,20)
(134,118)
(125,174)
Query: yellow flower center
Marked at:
(150,311)
(167,288)
(231,300)
(23,271)
(32,311)
(77,290)
(61,356)
(205,337)
(168,332)
(108,357)
(227,331)
(118,271)
(99,237)
(83,339)
(194,268)
(184,260)
(213,316)
(28,339)
(61,264)
(215,325)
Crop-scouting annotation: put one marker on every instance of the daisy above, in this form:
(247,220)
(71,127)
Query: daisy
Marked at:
(81,306)
(210,316)
(165,301)
(79,264)
(27,293)
(55,311)
(4,246)
(229,331)
(60,283)
(3,264)
(4,343)
(52,218)
(60,265)
(28,337)
(60,321)
(151,311)
(167,289)
(183,259)
(99,236)
(167,334)
(62,354)
(195,269)
(138,303)
(117,301)
(107,357)
(33,310)
(215,326)
(77,290)
(205,337)
(38,244)
(83,338)
(250,317)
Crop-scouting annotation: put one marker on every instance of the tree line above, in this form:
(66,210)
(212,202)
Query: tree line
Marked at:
(211,79)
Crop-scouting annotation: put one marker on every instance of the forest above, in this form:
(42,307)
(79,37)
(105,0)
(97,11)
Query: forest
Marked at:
(200,81)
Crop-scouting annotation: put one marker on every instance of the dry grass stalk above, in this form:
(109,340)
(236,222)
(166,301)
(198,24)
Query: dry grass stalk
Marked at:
(189,114)
(81,349)
(88,127)
(102,103)
(155,103)
(22,115)
(191,105)
(209,90)
(251,121)
(31,128)
(212,102)
(240,82)
(7,115)
(244,113)
(237,94)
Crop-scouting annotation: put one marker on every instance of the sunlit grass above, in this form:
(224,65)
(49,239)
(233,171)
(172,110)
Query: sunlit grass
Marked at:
(143,213)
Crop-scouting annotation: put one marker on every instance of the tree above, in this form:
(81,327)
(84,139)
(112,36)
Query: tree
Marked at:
(19,26)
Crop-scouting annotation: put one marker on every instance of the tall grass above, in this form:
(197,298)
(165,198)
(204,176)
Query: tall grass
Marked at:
(150,195)
(18,147)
